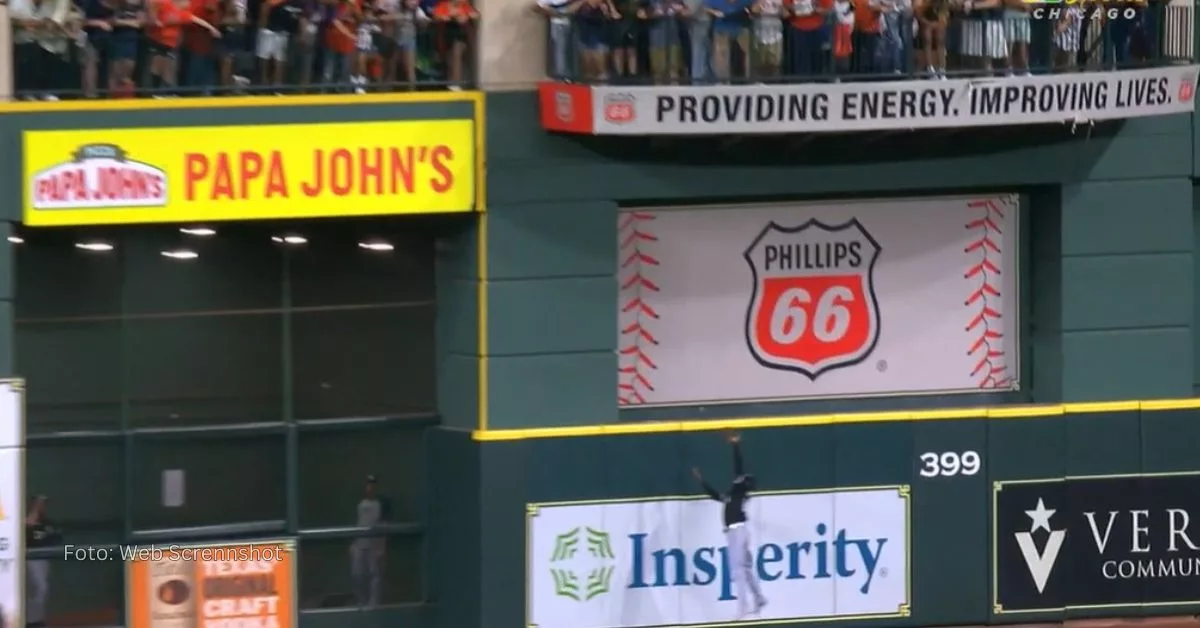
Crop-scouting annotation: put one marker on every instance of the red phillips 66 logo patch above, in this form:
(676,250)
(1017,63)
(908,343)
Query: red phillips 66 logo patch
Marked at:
(814,307)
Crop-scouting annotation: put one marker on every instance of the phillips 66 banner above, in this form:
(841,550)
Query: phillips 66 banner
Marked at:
(666,561)
(793,301)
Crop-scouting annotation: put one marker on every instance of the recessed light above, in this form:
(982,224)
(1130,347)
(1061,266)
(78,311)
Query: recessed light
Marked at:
(202,232)
(16,239)
(294,240)
(180,254)
(377,245)
(95,247)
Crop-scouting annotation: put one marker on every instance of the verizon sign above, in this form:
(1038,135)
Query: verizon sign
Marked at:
(1099,542)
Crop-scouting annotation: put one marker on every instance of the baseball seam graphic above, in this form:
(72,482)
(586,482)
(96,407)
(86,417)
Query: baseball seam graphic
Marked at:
(636,341)
(984,303)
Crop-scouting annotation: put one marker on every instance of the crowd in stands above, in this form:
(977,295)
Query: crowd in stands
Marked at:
(703,41)
(120,48)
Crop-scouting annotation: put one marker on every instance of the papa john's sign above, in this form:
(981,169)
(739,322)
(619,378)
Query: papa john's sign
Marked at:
(181,174)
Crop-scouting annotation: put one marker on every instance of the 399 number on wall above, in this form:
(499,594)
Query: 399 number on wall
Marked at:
(949,463)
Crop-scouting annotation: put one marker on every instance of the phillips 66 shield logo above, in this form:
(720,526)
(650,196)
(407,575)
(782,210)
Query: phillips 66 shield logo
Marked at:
(814,307)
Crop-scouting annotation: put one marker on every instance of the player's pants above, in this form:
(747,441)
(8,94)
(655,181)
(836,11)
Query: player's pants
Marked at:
(741,565)
(366,569)
(37,591)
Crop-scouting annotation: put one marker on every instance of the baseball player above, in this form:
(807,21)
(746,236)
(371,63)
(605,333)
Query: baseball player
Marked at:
(737,534)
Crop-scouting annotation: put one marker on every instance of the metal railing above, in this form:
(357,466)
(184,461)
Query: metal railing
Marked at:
(592,41)
(69,53)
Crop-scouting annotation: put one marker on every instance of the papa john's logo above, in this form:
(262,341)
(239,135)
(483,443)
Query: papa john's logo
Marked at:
(814,307)
(99,176)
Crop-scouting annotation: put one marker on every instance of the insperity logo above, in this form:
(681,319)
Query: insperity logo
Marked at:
(1040,563)
(595,567)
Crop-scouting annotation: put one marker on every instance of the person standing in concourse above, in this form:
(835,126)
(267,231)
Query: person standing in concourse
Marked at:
(367,552)
(38,533)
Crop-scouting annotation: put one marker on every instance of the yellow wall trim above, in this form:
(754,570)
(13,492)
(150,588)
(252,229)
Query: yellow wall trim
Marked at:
(702,425)
(298,100)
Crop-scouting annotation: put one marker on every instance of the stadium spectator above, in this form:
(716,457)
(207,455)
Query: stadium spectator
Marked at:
(408,19)
(699,39)
(98,16)
(340,41)
(843,35)
(666,56)
(591,20)
(934,18)
(559,50)
(232,18)
(868,25)
(730,37)
(1066,38)
(626,24)
(123,45)
(198,42)
(896,24)
(278,25)
(808,38)
(768,38)
(457,19)
(168,18)
(1019,33)
(40,44)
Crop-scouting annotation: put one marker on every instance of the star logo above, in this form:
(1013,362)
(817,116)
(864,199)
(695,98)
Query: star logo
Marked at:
(1040,563)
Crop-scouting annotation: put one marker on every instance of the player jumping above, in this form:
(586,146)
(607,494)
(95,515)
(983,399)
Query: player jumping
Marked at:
(737,534)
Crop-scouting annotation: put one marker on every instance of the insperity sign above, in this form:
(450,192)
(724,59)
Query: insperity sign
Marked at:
(1096,542)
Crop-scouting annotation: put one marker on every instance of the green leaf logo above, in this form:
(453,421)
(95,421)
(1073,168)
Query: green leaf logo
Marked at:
(596,564)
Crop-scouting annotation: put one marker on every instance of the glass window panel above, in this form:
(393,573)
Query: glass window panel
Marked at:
(204,335)
(326,580)
(363,313)
(227,480)
(83,482)
(334,466)
(204,369)
(377,361)
(73,373)
(68,332)
(237,269)
(333,268)
(86,593)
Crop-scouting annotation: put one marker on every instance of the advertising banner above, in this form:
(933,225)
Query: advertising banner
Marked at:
(665,561)
(233,585)
(204,174)
(795,301)
(867,106)
(1096,542)
(12,502)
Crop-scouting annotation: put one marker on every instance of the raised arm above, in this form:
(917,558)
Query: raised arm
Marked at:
(708,490)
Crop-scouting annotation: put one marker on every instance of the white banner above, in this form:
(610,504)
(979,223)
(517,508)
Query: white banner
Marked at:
(12,503)
(893,105)
(664,562)
(795,301)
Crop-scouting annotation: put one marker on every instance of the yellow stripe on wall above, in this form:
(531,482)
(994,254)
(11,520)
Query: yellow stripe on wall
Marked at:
(703,425)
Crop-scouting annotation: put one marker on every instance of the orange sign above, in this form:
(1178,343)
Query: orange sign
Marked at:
(239,585)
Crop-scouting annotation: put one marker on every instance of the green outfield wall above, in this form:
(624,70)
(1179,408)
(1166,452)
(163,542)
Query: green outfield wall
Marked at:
(481,503)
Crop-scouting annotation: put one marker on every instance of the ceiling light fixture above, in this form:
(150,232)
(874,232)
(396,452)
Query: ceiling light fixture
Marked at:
(16,239)
(180,254)
(202,232)
(95,247)
(377,245)
(293,240)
